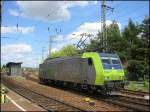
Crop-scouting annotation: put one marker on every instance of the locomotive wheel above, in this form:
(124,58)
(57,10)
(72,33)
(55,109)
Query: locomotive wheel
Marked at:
(102,90)
(41,81)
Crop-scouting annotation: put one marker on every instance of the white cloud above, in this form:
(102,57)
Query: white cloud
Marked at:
(76,3)
(90,28)
(14,13)
(49,10)
(54,49)
(87,27)
(20,52)
(16,48)
(95,2)
(14,29)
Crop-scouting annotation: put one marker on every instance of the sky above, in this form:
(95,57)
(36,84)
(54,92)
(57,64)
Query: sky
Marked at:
(27,25)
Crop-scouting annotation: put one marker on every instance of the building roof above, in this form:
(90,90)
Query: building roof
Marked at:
(13,63)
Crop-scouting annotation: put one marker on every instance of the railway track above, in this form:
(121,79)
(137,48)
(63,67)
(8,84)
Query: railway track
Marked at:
(129,102)
(123,91)
(47,103)
(125,102)
(135,93)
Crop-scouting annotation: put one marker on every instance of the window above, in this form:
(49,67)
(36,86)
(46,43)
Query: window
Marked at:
(90,61)
(105,61)
(110,61)
(115,62)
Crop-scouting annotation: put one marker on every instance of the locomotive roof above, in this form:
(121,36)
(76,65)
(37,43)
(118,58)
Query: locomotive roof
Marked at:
(62,58)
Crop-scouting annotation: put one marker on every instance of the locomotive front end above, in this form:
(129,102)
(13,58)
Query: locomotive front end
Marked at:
(113,71)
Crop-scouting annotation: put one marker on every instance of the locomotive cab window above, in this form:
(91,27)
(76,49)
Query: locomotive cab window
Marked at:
(106,61)
(116,62)
(90,62)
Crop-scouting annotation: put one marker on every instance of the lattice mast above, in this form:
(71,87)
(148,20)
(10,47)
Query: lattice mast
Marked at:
(104,7)
(103,25)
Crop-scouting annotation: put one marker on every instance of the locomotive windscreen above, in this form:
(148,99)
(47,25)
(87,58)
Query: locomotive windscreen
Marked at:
(110,61)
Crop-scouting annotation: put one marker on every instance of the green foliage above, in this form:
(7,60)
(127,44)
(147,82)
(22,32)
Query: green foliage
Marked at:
(122,56)
(134,86)
(126,73)
(114,39)
(3,68)
(69,50)
(146,84)
(144,29)
(137,69)
(139,53)
(130,33)
(94,46)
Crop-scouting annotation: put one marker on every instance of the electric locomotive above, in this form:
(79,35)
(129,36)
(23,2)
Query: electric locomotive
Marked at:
(102,72)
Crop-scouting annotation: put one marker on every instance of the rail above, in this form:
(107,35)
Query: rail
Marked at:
(130,103)
(43,101)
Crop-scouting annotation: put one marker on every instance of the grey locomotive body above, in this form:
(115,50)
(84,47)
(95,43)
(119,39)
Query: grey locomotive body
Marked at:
(69,69)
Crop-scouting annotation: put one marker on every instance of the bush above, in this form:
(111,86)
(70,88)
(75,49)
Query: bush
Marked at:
(122,56)
(137,69)
(146,85)
(132,86)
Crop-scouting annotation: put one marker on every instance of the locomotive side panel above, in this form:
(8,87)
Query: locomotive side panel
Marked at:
(70,70)
(76,70)
(46,71)
(62,69)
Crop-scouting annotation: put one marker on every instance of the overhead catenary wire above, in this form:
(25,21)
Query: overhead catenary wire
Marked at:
(124,13)
(56,30)
(52,12)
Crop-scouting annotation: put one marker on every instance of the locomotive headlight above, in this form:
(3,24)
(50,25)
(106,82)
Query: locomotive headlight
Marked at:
(106,78)
(121,77)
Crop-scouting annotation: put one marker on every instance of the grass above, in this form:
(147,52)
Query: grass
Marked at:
(134,86)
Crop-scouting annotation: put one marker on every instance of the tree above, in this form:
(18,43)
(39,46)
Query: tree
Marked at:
(130,33)
(68,50)
(144,37)
(137,50)
(137,69)
(114,39)
(131,45)
(94,46)
(144,29)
